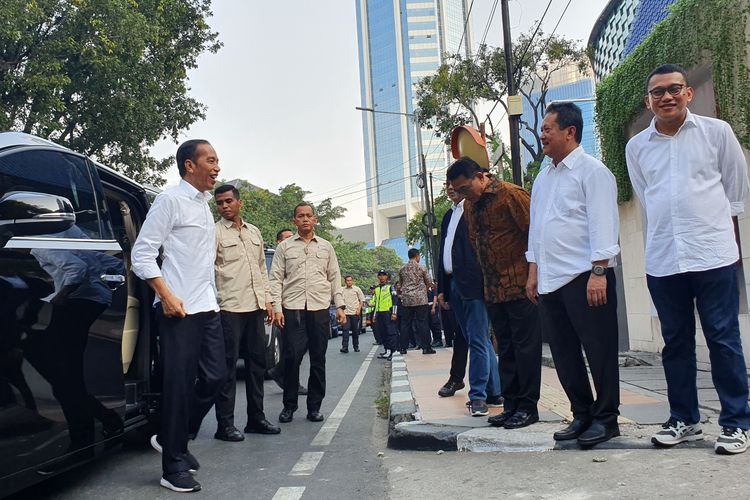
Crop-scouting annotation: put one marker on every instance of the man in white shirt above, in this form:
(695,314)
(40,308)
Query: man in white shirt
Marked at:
(354,300)
(690,174)
(571,252)
(190,336)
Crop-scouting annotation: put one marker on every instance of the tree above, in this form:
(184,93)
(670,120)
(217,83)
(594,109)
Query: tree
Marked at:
(106,78)
(416,229)
(362,263)
(450,97)
(272,212)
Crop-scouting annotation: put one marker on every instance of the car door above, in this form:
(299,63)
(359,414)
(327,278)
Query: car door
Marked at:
(62,309)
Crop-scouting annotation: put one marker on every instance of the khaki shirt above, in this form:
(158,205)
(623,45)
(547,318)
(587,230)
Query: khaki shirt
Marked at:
(352,298)
(305,275)
(241,276)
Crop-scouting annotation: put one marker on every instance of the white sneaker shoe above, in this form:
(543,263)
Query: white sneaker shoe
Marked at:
(731,441)
(676,431)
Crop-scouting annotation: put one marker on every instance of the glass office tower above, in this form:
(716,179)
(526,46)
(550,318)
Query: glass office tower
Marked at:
(400,42)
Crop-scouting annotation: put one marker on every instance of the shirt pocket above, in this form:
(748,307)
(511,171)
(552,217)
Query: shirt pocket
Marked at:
(567,200)
(230,251)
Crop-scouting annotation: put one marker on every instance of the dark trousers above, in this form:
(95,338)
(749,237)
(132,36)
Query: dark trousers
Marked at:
(386,328)
(519,345)
(191,348)
(352,324)
(375,331)
(450,328)
(415,319)
(460,351)
(569,323)
(244,329)
(435,327)
(714,293)
(305,330)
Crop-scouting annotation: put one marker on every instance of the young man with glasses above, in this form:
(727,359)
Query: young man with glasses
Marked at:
(690,174)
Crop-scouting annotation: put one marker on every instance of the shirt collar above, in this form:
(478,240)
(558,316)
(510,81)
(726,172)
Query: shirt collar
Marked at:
(229,223)
(460,204)
(298,237)
(193,193)
(572,158)
(689,122)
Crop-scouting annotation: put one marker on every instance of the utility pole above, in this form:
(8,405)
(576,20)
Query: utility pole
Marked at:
(515,109)
(429,215)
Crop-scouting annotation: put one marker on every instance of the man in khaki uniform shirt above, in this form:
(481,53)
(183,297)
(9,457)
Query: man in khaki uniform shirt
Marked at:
(354,299)
(304,279)
(244,299)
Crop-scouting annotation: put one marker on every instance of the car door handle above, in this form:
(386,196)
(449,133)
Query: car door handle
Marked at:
(113,281)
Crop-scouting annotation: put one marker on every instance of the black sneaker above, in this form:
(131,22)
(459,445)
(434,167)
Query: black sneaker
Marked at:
(189,458)
(181,482)
(731,441)
(479,408)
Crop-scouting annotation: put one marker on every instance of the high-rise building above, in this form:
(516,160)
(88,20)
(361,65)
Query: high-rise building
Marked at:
(401,42)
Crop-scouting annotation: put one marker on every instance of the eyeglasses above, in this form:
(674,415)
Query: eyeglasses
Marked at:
(674,90)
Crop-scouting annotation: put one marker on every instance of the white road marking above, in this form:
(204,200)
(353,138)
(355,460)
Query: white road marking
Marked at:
(332,423)
(307,463)
(289,493)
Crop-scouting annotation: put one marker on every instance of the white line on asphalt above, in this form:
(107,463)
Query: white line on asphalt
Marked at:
(307,463)
(332,423)
(289,493)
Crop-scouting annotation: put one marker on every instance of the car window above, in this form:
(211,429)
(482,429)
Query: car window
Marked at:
(57,173)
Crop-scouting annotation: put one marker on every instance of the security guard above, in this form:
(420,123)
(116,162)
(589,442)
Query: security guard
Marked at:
(384,317)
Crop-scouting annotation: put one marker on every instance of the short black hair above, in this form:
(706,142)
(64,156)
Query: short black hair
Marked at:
(666,69)
(348,276)
(302,204)
(186,152)
(413,252)
(225,188)
(282,231)
(464,166)
(568,115)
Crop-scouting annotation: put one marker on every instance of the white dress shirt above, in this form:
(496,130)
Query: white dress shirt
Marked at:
(458,212)
(690,185)
(574,219)
(180,223)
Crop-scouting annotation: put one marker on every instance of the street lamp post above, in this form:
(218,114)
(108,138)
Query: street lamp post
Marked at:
(421,184)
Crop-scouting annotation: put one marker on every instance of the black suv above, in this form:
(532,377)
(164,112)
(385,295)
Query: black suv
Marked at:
(78,341)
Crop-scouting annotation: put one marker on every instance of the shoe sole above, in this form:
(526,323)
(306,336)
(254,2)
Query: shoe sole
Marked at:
(479,413)
(685,439)
(229,440)
(172,487)
(721,450)
(155,444)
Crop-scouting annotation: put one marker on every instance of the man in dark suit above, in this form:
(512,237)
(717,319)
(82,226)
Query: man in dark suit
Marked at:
(461,286)
(460,348)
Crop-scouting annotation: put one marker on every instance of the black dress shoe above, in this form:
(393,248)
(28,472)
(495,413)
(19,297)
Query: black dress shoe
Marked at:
(598,432)
(499,420)
(315,416)
(572,431)
(356,349)
(450,388)
(385,355)
(429,350)
(302,390)
(229,434)
(345,350)
(286,416)
(402,351)
(448,344)
(261,427)
(521,419)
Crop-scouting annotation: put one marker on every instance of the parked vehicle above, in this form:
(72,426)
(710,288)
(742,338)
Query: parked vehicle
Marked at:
(79,363)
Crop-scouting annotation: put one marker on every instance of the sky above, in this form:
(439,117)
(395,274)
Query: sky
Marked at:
(281,92)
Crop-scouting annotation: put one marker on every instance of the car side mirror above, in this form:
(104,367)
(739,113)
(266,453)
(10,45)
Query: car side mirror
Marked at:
(26,213)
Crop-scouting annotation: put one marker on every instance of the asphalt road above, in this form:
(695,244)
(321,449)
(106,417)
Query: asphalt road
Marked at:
(339,462)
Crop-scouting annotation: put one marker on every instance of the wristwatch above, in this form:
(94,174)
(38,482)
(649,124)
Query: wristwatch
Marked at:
(599,270)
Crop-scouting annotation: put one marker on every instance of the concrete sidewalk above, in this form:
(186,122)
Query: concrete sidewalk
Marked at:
(420,419)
